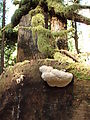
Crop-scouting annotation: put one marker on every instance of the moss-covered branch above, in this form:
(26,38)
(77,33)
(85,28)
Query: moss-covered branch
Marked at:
(75,7)
(79,18)
(23,10)
(16,2)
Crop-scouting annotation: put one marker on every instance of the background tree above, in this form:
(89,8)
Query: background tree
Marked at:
(1,8)
(3,36)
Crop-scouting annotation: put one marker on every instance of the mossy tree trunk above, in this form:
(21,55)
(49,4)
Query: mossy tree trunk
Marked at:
(26,48)
(56,26)
(59,15)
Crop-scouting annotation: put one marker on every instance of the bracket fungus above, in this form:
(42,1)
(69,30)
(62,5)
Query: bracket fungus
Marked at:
(55,77)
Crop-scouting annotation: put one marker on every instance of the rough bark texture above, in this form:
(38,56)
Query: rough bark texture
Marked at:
(33,99)
(56,26)
(26,47)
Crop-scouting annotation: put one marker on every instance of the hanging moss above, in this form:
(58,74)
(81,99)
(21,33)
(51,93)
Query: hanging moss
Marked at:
(38,19)
(35,11)
(62,34)
(45,42)
(46,38)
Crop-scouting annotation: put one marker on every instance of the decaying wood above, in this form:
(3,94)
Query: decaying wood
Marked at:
(36,100)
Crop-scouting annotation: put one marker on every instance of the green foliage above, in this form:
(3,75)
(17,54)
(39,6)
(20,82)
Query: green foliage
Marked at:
(70,45)
(15,2)
(19,13)
(10,45)
(23,2)
(10,55)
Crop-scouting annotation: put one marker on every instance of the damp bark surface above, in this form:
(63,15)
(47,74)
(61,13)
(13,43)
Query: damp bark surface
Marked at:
(35,100)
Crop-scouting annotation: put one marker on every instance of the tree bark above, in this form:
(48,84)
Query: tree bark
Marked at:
(46,20)
(56,26)
(79,18)
(74,25)
(33,99)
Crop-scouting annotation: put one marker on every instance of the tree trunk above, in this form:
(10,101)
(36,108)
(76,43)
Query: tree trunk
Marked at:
(27,48)
(46,20)
(56,26)
(33,99)
(74,24)
(3,37)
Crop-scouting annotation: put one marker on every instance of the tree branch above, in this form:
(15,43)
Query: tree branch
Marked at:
(75,7)
(67,53)
(79,18)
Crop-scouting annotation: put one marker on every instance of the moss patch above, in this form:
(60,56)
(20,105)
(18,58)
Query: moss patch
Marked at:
(38,19)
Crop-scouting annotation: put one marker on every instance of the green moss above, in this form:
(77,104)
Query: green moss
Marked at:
(38,19)
(23,2)
(15,2)
(80,70)
(46,38)
(19,13)
(44,45)
(62,34)
(45,41)
(35,11)
(62,57)
(56,5)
